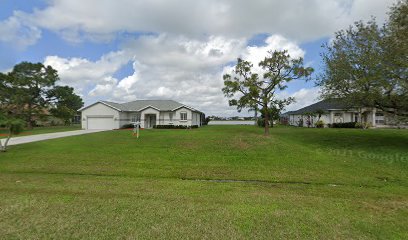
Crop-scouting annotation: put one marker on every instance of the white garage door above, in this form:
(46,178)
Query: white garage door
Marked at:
(101,123)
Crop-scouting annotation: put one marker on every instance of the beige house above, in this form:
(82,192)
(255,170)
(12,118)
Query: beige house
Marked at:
(110,115)
(334,111)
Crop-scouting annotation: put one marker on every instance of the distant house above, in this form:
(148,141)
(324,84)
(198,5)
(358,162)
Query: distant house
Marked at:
(110,115)
(335,111)
(39,117)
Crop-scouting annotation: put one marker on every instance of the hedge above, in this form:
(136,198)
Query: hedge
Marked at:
(174,126)
(129,125)
(343,125)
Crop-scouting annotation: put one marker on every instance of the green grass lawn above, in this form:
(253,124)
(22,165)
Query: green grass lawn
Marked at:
(41,130)
(298,183)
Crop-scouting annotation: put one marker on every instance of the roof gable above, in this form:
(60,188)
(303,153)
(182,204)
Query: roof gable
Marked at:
(108,104)
(148,107)
(325,105)
(184,106)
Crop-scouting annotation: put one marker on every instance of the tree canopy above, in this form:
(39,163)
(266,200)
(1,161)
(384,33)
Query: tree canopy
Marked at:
(64,102)
(29,83)
(367,65)
(249,90)
(30,90)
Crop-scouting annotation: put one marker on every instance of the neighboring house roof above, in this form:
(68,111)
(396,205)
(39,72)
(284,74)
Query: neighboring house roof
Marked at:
(138,105)
(286,114)
(325,105)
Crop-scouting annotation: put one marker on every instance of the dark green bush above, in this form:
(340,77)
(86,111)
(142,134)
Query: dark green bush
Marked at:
(174,126)
(129,125)
(344,125)
(206,120)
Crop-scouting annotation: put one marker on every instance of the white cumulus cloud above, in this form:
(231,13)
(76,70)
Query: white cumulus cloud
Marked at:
(18,33)
(166,67)
(102,20)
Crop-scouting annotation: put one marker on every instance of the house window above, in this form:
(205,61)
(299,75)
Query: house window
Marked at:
(337,114)
(379,118)
(380,121)
(171,116)
(183,116)
(135,118)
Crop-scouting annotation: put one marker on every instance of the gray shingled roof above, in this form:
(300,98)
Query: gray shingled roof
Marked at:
(113,104)
(162,105)
(324,105)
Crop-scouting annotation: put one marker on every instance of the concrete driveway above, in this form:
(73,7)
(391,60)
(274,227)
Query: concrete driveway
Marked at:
(47,136)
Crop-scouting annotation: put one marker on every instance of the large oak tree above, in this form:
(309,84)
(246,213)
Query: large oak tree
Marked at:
(366,65)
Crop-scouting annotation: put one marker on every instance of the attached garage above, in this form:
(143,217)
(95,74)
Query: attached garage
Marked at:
(100,116)
(100,122)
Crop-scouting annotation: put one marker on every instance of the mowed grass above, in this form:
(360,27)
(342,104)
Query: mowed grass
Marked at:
(216,182)
(41,130)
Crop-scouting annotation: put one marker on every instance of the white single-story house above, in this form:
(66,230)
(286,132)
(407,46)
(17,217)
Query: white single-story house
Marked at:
(110,115)
(335,111)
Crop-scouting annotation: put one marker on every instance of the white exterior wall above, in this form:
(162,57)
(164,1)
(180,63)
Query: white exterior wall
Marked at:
(124,118)
(348,117)
(193,118)
(294,119)
(196,118)
(148,110)
(165,118)
(325,118)
(178,121)
(100,110)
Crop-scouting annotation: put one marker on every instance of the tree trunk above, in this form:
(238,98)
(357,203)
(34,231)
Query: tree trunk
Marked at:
(396,119)
(29,116)
(256,116)
(3,147)
(266,121)
(360,115)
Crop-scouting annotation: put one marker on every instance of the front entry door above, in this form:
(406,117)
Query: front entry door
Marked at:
(151,120)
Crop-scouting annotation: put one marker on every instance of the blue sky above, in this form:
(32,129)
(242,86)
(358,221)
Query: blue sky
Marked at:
(128,50)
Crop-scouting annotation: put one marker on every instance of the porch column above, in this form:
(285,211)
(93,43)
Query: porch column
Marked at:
(331,117)
(142,121)
(374,112)
(157,119)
